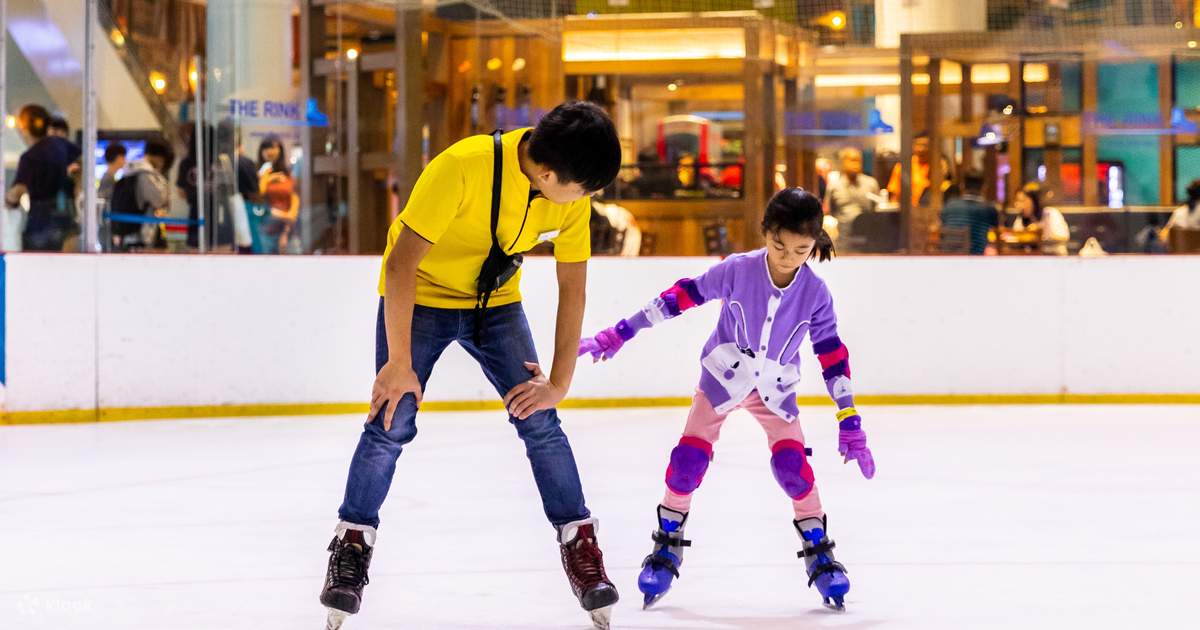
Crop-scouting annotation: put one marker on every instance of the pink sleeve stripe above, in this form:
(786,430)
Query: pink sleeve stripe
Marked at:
(682,297)
(832,358)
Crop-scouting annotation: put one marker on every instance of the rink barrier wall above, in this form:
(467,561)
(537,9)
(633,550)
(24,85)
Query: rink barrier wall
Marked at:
(115,337)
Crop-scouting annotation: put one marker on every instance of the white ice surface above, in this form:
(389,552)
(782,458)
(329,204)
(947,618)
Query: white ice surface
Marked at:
(979,517)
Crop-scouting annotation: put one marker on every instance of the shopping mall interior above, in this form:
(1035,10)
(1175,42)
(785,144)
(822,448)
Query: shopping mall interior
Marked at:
(718,103)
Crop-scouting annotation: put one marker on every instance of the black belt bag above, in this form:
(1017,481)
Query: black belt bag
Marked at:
(499,267)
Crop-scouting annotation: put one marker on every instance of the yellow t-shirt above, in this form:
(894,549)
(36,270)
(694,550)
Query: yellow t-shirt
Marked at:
(451,206)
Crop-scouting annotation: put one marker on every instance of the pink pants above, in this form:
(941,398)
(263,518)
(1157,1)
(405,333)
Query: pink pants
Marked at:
(705,423)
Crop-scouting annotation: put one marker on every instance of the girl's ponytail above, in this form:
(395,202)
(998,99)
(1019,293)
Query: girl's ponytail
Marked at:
(823,250)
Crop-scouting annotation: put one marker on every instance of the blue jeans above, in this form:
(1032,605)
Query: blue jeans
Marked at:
(506,345)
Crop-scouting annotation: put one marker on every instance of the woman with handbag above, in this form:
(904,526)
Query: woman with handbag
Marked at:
(278,191)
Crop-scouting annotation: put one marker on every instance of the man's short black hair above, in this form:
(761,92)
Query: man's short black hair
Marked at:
(579,143)
(161,148)
(114,151)
(973,181)
(60,123)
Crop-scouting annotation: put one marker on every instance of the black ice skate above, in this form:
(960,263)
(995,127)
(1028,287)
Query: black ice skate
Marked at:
(350,556)
(584,565)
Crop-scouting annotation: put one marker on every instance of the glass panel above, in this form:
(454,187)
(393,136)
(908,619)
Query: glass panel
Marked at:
(1187,170)
(1127,89)
(1053,87)
(253,118)
(1187,83)
(684,134)
(1135,160)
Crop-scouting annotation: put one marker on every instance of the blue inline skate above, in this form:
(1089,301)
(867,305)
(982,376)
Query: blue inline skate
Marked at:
(823,570)
(661,567)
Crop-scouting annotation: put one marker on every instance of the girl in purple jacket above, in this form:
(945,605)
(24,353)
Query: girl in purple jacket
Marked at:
(770,300)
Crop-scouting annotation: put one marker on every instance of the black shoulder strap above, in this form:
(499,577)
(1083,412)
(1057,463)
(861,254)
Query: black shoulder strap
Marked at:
(497,176)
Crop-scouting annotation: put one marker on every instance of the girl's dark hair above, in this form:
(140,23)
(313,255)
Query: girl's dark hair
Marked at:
(799,211)
(1034,192)
(280,165)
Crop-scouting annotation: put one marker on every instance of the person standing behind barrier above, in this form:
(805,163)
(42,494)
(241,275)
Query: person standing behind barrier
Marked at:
(1186,216)
(42,173)
(972,211)
(186,181)
(59,127)
(920,171)
(1048,221)
(279,193)
(247,186)
(114,160)
(142,190)
(851,194)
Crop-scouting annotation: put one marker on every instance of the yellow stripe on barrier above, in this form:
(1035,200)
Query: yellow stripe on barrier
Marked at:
(121,414)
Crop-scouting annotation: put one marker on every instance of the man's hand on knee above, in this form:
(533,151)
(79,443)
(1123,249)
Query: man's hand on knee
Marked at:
(536,394)
(391,384)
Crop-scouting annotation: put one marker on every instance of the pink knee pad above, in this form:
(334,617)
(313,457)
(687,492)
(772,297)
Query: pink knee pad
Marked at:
(790,465)
(689,461)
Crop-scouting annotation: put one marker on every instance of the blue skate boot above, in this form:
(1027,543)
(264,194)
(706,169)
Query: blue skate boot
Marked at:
(823,570)
(661,567)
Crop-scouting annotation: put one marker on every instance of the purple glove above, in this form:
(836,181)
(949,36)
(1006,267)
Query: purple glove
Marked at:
(603,346)
(852,444)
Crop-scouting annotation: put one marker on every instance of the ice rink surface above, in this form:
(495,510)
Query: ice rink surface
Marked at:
(979,517)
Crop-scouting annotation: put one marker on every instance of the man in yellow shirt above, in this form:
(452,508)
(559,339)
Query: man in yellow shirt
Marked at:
(429,294)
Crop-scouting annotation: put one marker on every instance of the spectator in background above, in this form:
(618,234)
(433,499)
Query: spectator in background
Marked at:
(236,185)
(851,194)
(247,176)
(43,173)
(1048,221)
(920,171)
(653,178)
(247,186)
(279,193)
(59,127)
(1186,216)
(114,161)
(142,190)
(1148,240)
(972,211)
(823,166)
(218,229)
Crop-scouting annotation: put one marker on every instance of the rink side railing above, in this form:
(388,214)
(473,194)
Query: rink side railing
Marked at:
(127,414)
(116,337)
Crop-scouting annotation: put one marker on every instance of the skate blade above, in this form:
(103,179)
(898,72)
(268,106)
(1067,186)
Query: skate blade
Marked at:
(601,617)
(836,604)
(650,600)
(335,619)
